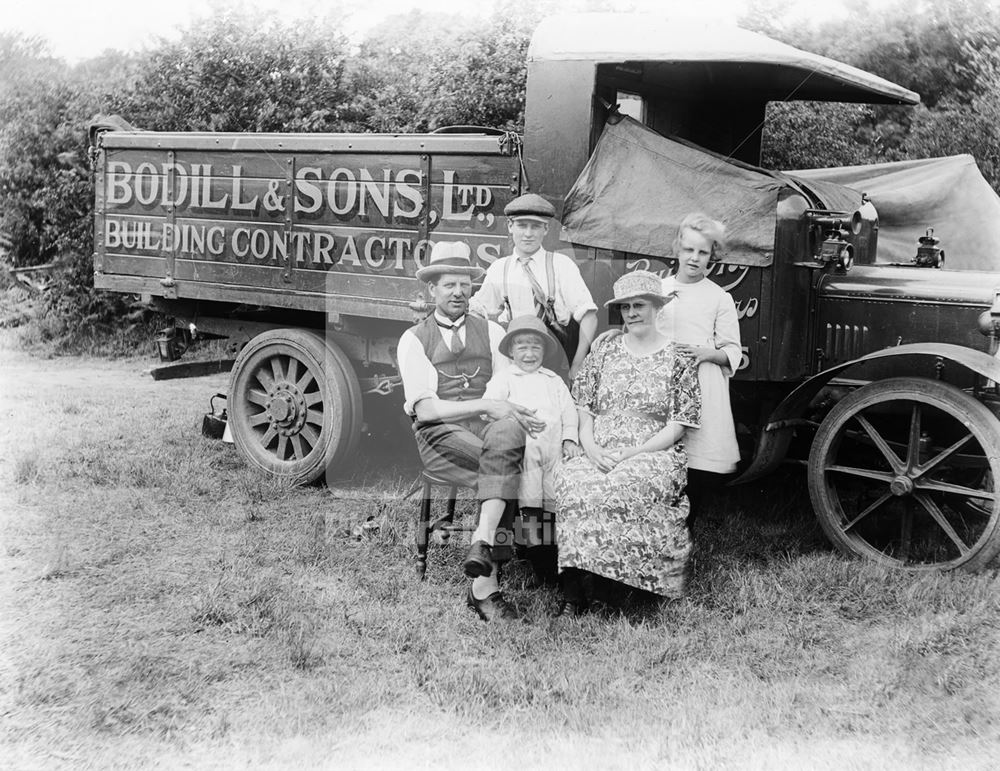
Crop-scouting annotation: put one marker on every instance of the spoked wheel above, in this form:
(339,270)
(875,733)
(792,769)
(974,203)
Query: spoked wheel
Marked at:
(903,472)
(294,404)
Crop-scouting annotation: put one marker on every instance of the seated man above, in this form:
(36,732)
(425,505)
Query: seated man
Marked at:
(445,362)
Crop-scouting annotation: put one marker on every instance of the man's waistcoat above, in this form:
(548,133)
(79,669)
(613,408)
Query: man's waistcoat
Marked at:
(463,377)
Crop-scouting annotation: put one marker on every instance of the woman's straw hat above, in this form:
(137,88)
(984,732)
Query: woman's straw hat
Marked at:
(638,283)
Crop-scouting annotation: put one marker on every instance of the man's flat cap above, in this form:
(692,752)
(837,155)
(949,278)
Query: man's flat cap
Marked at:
(530,205)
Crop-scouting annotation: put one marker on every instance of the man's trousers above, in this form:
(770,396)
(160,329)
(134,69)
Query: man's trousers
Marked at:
(483,456)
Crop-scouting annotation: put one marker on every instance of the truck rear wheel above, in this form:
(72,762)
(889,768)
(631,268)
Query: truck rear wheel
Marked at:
(294,404)
(904,471)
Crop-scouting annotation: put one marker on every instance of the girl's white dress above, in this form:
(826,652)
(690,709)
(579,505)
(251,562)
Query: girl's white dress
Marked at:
(704,314)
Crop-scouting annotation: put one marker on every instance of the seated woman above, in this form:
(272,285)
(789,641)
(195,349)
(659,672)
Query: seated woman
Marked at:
(621,506)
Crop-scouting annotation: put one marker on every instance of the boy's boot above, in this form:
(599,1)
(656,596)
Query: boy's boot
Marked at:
(545,563)
(538,532)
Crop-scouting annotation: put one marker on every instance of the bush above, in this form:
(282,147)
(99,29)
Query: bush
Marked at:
(237,73)
(947,51)
(45,207)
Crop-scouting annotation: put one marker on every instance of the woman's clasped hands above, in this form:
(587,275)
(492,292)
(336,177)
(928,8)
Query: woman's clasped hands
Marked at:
(607,459)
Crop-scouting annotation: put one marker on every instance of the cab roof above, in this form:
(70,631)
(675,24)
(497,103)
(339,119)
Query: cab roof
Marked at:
(707,52)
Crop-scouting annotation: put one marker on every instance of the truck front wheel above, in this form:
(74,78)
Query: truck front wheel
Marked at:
(904,472)
(294,405)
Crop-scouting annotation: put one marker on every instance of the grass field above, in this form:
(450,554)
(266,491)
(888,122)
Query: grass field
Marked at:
(164,606)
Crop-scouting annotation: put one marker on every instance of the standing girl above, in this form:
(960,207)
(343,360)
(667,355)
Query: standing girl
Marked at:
(702,320)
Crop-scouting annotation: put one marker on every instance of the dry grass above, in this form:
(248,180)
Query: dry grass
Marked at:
(164,606)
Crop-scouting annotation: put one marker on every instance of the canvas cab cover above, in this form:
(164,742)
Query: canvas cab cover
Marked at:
(638,186)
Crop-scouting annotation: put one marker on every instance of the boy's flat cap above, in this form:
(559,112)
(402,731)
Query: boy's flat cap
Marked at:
(530,205)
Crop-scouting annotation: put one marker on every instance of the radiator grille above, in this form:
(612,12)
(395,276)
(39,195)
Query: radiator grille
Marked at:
(844,342)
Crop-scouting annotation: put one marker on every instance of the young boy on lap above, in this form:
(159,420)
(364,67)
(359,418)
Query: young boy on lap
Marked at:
(529,384)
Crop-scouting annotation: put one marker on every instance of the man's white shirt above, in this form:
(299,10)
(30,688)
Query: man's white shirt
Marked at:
(420,377)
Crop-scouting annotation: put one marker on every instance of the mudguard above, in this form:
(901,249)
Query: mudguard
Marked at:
(777,432)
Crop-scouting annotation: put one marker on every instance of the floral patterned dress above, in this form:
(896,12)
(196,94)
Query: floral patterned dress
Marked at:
(630,524)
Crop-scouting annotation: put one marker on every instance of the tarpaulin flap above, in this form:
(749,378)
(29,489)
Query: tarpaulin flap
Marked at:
(948,194)
(638,186)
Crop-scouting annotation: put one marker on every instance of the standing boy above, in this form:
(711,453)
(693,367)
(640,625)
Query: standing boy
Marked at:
(534,281)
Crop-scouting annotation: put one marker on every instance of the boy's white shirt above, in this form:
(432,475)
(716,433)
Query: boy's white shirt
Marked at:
(546,393)
(525,388)
(572,297)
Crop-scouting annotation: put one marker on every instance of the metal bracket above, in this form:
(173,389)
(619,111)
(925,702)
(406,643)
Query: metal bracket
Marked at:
(383,385)
(286,271)
(171,266)
(169,288)
(424,225)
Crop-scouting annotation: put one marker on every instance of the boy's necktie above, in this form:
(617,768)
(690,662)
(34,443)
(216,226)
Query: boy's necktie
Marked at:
(536,288)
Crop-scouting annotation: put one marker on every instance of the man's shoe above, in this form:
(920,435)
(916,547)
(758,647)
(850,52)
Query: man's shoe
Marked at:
(493,608)
(479,560)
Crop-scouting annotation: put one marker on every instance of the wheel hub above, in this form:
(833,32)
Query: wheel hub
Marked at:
(280,408)
(901,485)
(286,409)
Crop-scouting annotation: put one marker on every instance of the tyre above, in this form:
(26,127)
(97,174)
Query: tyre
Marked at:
(904,471)
(295,405)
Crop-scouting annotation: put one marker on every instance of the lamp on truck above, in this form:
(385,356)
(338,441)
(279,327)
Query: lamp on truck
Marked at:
(838,252)
(989,322)
(834,249)
(171,343)
(929,253)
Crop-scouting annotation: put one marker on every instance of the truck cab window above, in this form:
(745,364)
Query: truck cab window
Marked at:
(631,104)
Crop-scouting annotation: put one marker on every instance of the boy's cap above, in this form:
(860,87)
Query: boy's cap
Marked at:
(530,206)
(523,324)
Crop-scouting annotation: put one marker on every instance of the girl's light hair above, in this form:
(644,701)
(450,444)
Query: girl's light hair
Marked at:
(711,229)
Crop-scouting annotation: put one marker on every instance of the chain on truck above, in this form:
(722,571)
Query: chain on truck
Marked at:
(301,249)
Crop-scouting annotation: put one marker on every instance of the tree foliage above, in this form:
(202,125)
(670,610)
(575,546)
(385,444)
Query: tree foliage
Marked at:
(419,72)
(394,75)
(44,179)
(948,51)
(482,81)
(937,48)
(800,135)
(237,73)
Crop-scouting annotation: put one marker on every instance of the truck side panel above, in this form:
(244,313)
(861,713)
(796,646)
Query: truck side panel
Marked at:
(253,222)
